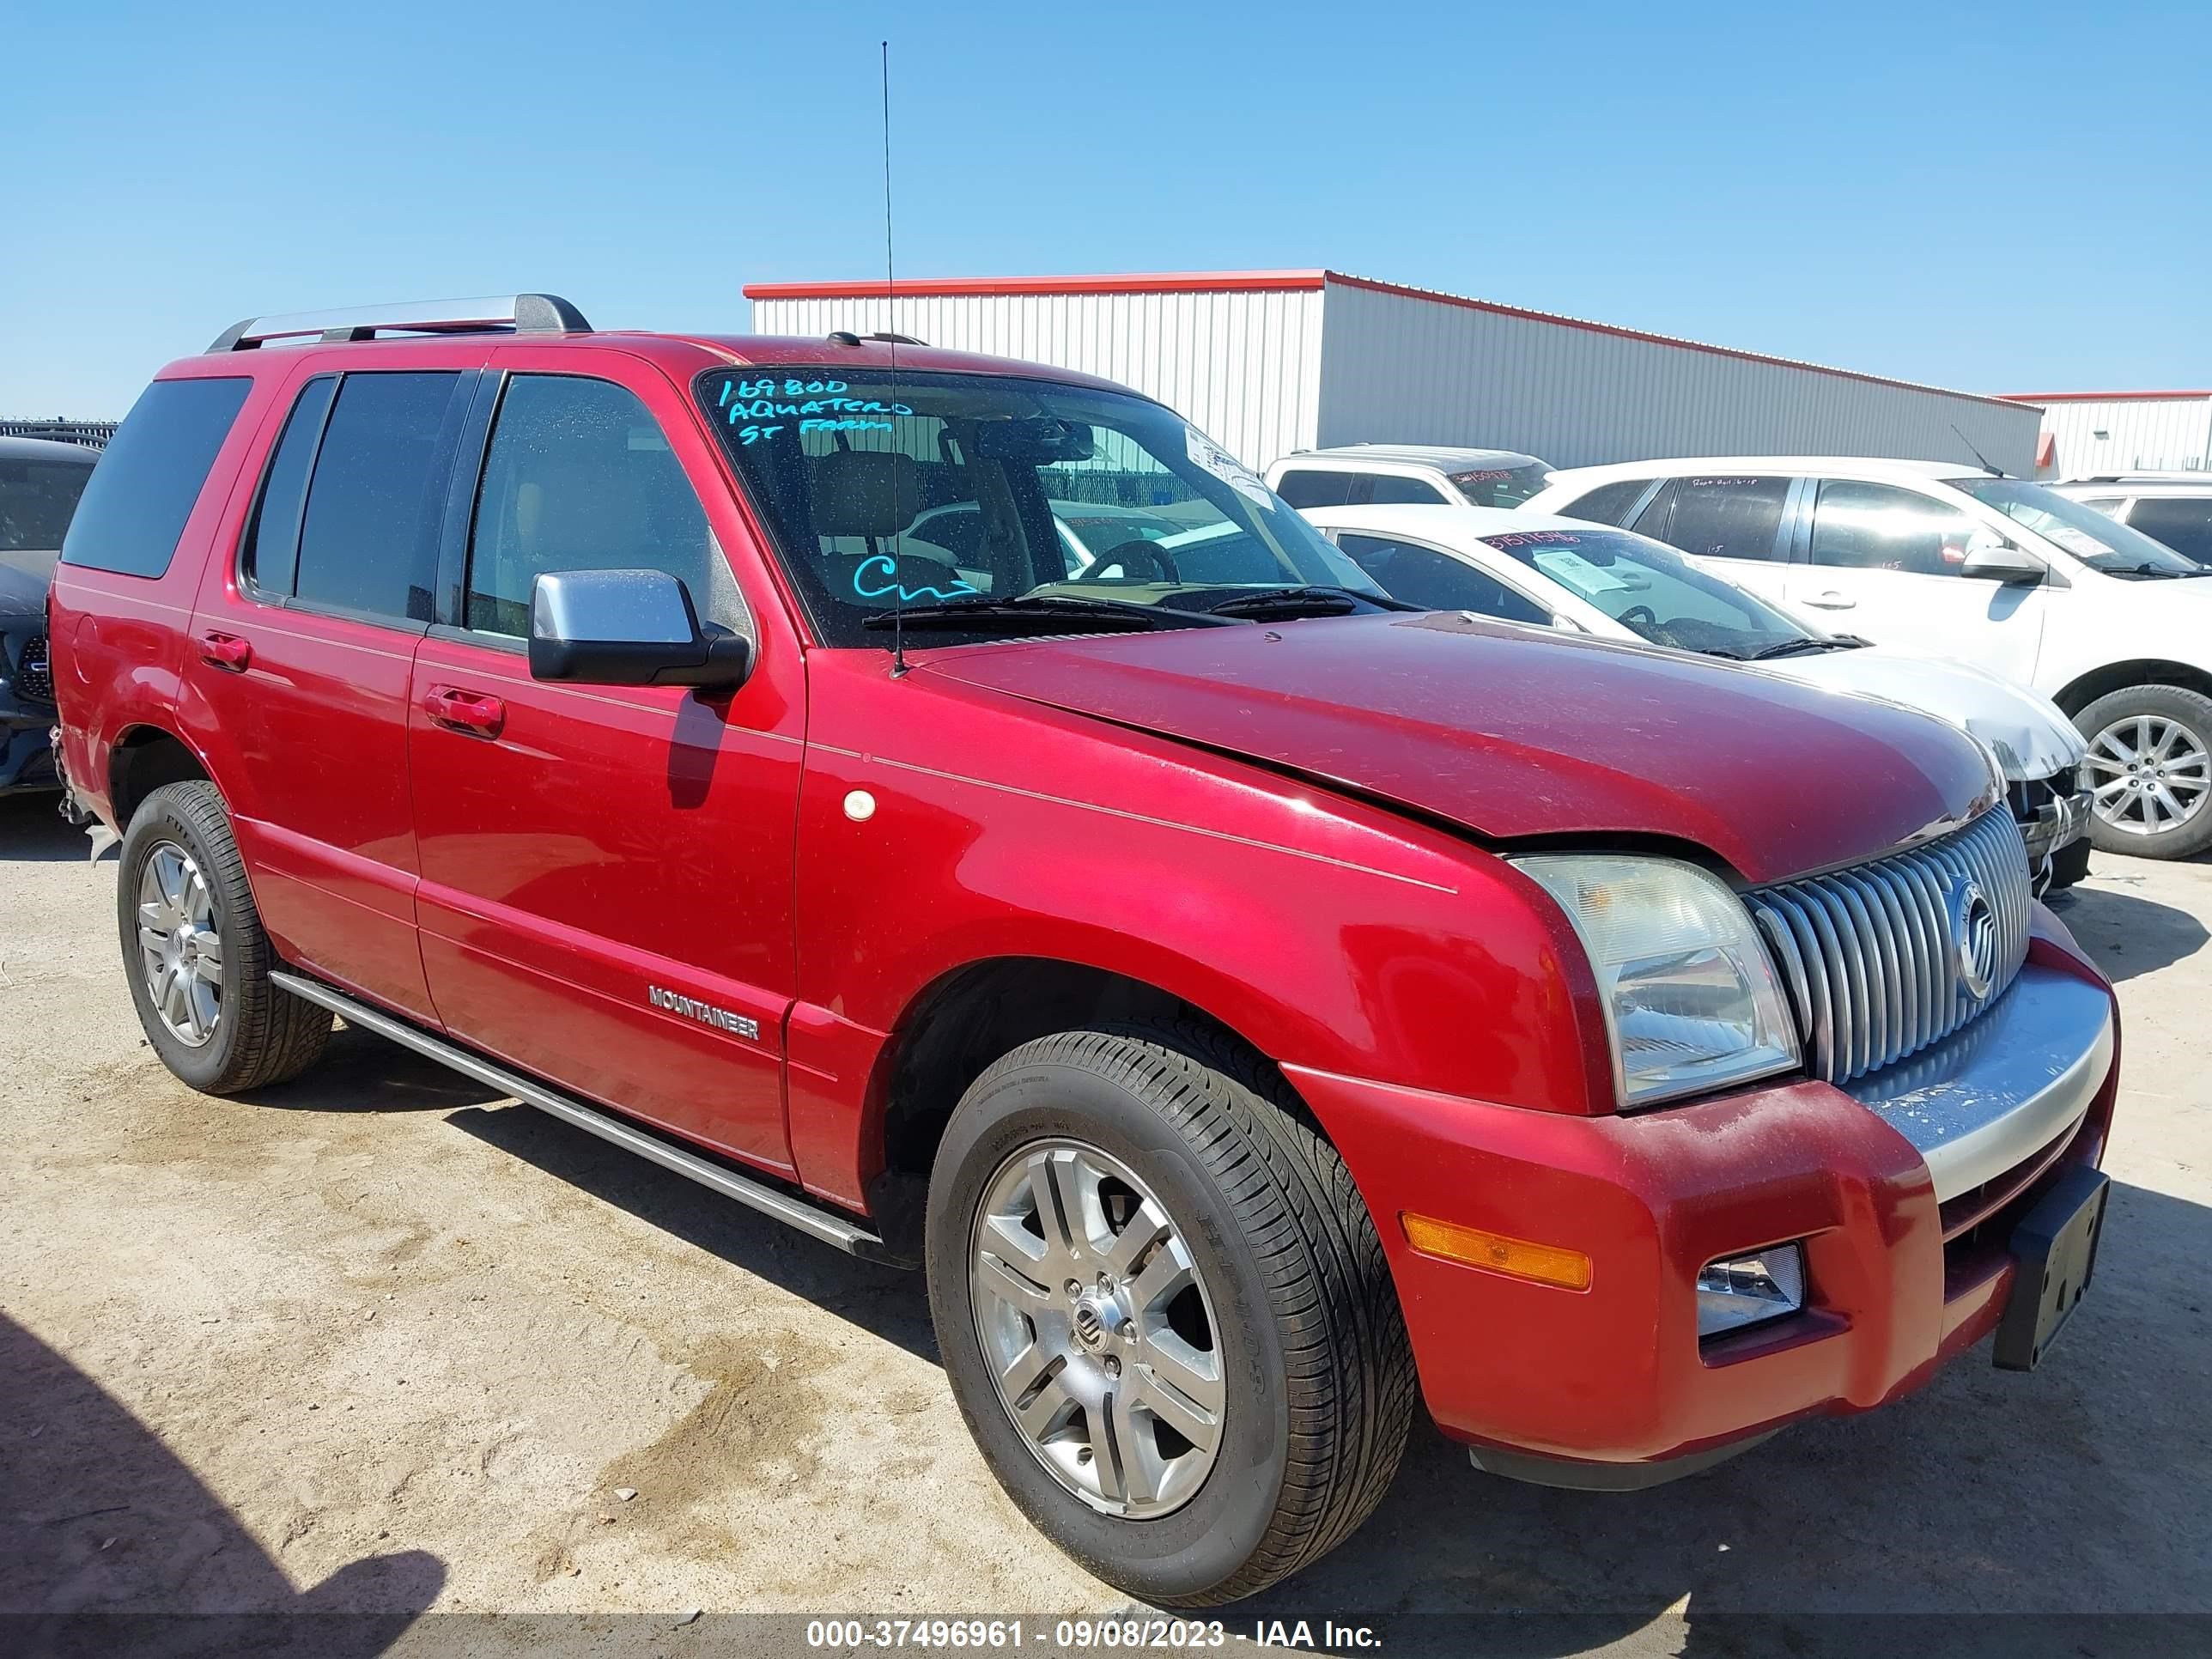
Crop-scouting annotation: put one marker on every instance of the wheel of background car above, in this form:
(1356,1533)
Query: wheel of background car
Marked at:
(1188,1414)
(195,954)
(2150,770)
(1151,553)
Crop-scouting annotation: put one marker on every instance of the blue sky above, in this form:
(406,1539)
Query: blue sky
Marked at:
(2011,199)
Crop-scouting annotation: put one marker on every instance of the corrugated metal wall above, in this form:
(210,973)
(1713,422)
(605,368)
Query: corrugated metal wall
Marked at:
(1243,368)
(2121,435)
(1399,369)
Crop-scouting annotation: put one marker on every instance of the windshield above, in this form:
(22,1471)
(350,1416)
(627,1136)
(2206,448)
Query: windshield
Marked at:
(1500,486)
(2100,543)
(959,488)
(37,500)
(1654,592)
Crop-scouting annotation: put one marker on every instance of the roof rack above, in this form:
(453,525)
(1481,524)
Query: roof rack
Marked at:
(845,336)
(506,314)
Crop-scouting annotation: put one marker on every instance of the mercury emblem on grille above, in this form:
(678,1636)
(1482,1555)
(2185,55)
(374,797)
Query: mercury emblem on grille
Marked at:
(1973,938)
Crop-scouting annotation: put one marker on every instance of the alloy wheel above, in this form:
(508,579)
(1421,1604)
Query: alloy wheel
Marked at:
(1097,1328)
(179,944)
(2152,773)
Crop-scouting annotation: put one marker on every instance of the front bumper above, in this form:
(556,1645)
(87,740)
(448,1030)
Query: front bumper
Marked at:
(1903,1191)
(26,710)
(2053,812)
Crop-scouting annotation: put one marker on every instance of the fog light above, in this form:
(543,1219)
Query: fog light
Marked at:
(1749,1290)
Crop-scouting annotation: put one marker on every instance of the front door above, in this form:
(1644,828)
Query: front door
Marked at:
(1884,561)
(606,870)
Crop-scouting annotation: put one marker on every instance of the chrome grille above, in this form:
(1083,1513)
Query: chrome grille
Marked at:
(1873,955)
(33,679)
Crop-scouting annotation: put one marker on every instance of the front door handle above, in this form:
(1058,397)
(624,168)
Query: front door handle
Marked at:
(1832,600)
(465,711)
(226,651)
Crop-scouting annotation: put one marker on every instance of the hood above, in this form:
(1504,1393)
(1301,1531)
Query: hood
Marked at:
(1515,733)
(2027,733)
(24,577)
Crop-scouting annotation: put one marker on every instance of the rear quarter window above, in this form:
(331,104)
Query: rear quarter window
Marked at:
(143,490)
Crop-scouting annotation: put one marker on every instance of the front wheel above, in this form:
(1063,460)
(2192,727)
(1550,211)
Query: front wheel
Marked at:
(1164,1312)
(2150,771)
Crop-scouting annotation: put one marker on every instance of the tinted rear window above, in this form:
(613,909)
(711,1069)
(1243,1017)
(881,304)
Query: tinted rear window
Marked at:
(144,487)
(1308,487)
(1608,503)
(367,539)
(2183,523)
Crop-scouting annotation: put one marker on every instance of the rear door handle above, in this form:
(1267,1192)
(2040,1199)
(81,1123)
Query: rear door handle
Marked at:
(1832,600)
(226,651)
(465,711)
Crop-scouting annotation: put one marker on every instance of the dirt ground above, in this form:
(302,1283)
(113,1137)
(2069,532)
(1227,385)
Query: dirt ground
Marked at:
(379,1342)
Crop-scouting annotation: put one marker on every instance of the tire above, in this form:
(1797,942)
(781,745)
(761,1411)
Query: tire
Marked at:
(1316,1378)
(254,1034)
(2111,727)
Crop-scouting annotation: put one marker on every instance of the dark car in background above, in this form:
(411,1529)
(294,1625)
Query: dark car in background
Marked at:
(39,484)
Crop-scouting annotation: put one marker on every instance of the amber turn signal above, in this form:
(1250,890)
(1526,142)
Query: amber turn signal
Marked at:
(1516,1258)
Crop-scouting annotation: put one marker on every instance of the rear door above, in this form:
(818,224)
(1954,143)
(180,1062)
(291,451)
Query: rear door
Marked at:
(606,897)
(301,652)
(1737,522)
(1884,561)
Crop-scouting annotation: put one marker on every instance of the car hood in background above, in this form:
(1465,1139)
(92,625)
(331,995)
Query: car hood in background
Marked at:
(2028,734)
(24,577)
(1515,733)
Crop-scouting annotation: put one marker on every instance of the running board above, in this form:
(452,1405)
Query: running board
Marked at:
(754,1194)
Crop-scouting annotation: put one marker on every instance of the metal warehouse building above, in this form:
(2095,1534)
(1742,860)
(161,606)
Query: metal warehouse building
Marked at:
(1268,362)
(2087,433)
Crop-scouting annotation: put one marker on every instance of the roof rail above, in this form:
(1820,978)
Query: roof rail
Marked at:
(506,314)
(845,336)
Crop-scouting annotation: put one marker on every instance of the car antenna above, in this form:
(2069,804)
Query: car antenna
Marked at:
(890,344)
(1977,453)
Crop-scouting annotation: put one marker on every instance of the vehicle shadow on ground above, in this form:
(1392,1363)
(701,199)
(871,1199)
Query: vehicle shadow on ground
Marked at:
(2123,932)
(361,1072)
(33,832)
(110,1544)
(883,1301)
(1993,1504)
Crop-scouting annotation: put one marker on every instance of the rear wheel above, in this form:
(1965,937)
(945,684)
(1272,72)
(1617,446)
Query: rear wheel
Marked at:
(2150,770)
(1164,1312)
(198,960)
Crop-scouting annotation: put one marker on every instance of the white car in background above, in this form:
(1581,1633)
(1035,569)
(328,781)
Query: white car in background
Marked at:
(1378,475)
(2173,507)
(1941,558)
(1544,571)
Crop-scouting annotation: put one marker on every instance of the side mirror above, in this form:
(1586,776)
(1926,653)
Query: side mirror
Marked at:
(629,628)
(1991,559)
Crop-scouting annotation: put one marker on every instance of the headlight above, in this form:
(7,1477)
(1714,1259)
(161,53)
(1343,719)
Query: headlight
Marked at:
(1690,999)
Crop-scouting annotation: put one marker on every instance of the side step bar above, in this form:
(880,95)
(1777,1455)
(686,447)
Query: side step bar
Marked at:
(847,1236)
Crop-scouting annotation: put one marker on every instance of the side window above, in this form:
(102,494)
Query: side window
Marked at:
(1608,503)
(1388,489)
(1727,517)
(271,556)
(580,476)
(1874,526)
(1312,488)
(367,535)
(143,491)
(2183,523)
(1421,575)
(1652,520)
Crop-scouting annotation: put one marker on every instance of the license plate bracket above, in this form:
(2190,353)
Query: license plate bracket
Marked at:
(2054,1253)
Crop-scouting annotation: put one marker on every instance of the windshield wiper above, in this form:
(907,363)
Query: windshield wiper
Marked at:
(2149,572)
(1039,613)
(1800,647)
(1306,599)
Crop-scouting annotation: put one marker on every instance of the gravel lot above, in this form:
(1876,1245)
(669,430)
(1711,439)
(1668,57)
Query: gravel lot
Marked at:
(380,1341)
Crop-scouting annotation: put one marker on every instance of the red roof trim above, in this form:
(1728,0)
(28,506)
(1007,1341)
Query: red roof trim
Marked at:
(937,288)
(1655,339)
(2103,397)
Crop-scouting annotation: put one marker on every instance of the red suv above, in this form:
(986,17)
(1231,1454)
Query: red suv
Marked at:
(951,805)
